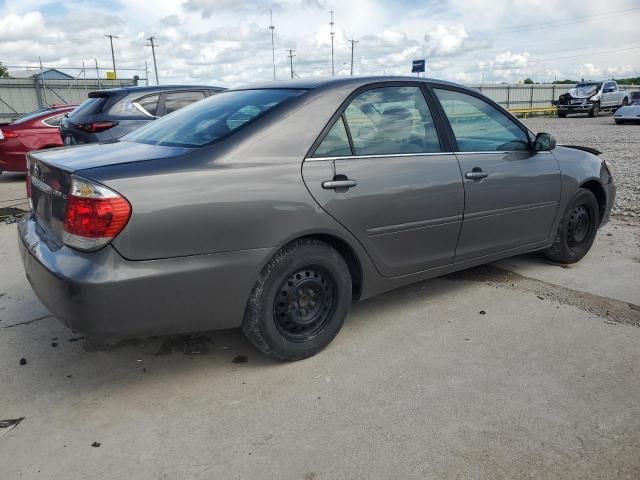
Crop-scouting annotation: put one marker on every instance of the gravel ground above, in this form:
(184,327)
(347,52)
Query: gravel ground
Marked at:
(620,145)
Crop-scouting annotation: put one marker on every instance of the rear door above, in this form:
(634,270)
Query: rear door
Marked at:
(382,171)
(511,192)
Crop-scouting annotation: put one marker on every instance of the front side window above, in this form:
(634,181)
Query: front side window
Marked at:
(391,120)
(478,126)
(211,119)
(177,100)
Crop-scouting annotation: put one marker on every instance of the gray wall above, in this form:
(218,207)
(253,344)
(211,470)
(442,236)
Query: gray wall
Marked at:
(18,96)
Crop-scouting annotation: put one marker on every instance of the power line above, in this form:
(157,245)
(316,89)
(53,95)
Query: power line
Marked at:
(153,52)
(113,57)
(570,21)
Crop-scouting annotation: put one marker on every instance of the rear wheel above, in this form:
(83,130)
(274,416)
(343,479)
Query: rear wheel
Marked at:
(577,229)
(562,115)
(299,302)
(595,110)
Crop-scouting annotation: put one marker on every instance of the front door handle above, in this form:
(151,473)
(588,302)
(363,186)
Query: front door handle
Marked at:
(338,184)
(476,174)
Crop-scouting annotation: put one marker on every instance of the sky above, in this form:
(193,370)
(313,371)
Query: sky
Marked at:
(228,42)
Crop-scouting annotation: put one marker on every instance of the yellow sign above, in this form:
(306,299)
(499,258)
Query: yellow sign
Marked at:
(111,75)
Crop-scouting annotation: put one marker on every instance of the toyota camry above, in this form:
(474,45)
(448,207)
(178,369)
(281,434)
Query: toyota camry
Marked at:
(273,207)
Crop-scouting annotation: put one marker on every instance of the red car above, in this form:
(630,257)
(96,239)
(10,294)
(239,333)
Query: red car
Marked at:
(33,131)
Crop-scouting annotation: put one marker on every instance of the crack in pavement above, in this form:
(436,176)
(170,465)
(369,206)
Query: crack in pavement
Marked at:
(610,309)
(27,322)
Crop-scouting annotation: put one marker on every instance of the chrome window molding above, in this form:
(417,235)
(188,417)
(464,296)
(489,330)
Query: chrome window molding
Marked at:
(349,157)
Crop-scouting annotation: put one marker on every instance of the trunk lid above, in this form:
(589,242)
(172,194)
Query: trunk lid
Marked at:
(50,176)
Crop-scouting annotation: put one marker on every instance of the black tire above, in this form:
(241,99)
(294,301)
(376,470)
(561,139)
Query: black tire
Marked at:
(562,115)
(577,229)
(619,122)
(313,282)
(625,102)
(595,110)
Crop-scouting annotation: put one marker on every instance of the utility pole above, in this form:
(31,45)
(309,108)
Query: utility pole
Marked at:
(353,42)
(291,55)
(273,46)
(113,57)
(153,52)
(333,34)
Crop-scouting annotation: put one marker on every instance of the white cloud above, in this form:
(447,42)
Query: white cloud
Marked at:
(20,27)
(445,40)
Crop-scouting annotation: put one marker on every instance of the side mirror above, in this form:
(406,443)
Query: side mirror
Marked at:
(544,142)
(607,90)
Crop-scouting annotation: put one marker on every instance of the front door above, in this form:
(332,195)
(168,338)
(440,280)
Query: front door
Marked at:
(380,171)
(511,192)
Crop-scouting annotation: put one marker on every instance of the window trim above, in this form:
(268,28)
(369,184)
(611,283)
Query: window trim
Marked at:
(445,145)
(479,96)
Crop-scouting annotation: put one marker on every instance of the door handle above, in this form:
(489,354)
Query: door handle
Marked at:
(476,174)
(338,184)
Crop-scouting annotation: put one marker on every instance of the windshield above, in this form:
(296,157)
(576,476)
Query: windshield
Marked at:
(209,120)
(589,85)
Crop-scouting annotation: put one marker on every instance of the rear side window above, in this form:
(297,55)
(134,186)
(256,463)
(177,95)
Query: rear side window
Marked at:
(90,106)
(177,100)
(149,104)
(336,143)
(384,121)
(54,121)
(478,126)
(206,122)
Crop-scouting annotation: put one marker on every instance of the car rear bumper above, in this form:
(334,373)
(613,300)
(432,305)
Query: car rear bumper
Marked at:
(104,296)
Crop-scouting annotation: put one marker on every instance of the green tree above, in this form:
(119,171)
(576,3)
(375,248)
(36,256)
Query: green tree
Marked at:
(4,73)
(528,81)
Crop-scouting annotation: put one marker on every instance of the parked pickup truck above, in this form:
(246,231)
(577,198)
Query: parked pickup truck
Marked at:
(591,98)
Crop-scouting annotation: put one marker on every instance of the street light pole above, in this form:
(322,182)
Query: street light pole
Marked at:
(153,52)
(333,71)
(291,55)
(273,46)
(113,57)
(353,42)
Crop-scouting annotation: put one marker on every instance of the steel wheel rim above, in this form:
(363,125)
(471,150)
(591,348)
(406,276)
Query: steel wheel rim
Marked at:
(304,303)
(579,227)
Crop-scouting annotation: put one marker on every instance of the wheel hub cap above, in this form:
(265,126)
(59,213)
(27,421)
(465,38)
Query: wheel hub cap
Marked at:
(579,227)
(305,303)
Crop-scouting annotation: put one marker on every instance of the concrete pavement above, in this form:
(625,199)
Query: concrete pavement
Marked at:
(419,384)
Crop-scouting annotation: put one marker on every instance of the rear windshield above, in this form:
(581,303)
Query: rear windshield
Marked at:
(209,120)
(89,106)
(30,116)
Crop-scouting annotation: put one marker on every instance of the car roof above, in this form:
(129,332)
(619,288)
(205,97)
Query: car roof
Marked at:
(155,88)
(356,81)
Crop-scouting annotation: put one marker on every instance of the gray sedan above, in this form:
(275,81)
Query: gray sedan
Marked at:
(272,207)
(628,113)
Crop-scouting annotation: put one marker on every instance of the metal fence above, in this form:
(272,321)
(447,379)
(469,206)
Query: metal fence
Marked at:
(530,96)
(19,96)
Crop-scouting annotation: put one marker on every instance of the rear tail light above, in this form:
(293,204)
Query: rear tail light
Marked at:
(95,215)
(7,134)
(28,181)
(94,127)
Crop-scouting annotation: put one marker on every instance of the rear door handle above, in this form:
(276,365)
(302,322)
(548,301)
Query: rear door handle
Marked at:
(338,184)
(476,174)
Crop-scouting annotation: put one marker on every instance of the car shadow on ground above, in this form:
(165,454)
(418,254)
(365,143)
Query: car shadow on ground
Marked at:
(61,358)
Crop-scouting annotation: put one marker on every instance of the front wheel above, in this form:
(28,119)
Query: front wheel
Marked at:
(577,229)
(595,110)
(562,115)
(299,302)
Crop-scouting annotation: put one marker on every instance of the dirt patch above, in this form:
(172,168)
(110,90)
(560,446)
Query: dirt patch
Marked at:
(612,310)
